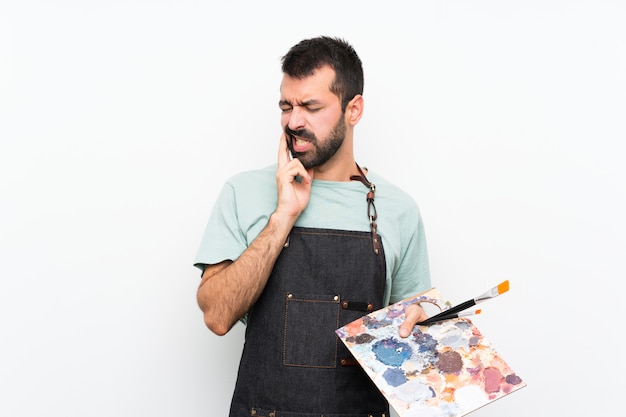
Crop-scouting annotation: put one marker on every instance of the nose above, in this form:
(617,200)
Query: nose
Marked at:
(296,120)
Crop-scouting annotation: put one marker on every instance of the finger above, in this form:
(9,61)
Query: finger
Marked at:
(294,171)
(295,168)
(406,329)
(283,151)
(304,176)
(413,315)
(309,177)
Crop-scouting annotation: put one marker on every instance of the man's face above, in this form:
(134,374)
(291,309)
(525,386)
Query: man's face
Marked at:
(312,117)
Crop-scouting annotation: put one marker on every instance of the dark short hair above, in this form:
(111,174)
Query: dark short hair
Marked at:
(311,54)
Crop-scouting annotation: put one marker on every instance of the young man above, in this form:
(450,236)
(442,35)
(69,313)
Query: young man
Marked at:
(300,248)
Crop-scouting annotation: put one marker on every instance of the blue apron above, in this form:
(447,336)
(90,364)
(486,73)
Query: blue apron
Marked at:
(293,364)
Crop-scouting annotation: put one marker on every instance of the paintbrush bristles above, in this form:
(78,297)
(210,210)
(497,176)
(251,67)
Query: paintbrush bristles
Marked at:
(503,287)
(494,292)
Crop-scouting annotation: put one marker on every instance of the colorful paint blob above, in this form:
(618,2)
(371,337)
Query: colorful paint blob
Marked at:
(447,369)
(391,352)
(395,377)
(450,362)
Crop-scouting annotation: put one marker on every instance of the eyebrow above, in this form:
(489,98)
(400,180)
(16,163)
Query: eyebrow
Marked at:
(307,103)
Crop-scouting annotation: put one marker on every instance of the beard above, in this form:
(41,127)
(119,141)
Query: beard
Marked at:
(321,152)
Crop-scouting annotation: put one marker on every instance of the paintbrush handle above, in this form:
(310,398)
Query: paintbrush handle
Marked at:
(449,317)
(441,316)
(459,307)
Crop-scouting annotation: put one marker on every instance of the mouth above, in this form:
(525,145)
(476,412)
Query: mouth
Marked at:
(298,144)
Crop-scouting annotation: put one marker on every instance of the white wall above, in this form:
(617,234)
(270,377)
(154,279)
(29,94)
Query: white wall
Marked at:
(120,119)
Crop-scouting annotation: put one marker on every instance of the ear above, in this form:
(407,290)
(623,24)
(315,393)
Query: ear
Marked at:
(354,110)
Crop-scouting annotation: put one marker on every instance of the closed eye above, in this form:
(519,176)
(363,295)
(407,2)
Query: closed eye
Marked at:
(311,106)
(285,106)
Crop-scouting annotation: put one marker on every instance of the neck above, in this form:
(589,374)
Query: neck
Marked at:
(336,171)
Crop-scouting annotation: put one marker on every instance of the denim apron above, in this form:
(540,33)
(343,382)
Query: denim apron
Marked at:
(293,364)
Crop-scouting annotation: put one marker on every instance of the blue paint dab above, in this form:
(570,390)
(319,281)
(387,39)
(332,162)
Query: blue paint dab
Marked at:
(426,342)
(392,352)
(463,325)
(394,377)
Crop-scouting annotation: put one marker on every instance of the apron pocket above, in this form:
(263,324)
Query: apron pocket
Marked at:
(310,324)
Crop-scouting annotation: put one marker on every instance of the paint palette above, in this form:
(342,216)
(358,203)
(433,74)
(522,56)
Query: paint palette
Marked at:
(444,369)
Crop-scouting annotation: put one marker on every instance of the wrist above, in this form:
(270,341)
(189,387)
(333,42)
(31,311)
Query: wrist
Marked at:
(281,223)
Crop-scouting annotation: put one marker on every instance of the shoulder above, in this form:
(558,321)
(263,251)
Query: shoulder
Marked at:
(252,191)
(252,183)
(387,191)
(256,176)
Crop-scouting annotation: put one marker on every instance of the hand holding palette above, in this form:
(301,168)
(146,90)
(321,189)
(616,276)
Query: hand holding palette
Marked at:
(444,369)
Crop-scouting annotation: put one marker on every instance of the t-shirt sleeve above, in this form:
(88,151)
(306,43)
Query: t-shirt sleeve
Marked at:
(413,274)
(222,239)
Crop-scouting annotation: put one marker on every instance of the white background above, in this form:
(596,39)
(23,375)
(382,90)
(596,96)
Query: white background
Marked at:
(121,119)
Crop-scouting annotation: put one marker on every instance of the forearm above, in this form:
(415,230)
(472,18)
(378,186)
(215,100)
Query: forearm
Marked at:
(227,293)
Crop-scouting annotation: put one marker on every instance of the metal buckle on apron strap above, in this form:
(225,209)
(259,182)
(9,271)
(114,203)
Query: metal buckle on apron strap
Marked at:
(371,208)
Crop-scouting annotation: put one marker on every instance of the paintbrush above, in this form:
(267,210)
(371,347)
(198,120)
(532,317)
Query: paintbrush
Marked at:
(437,318)
(494,292)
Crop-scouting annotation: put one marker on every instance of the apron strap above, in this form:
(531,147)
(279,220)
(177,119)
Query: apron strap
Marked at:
(371,208)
